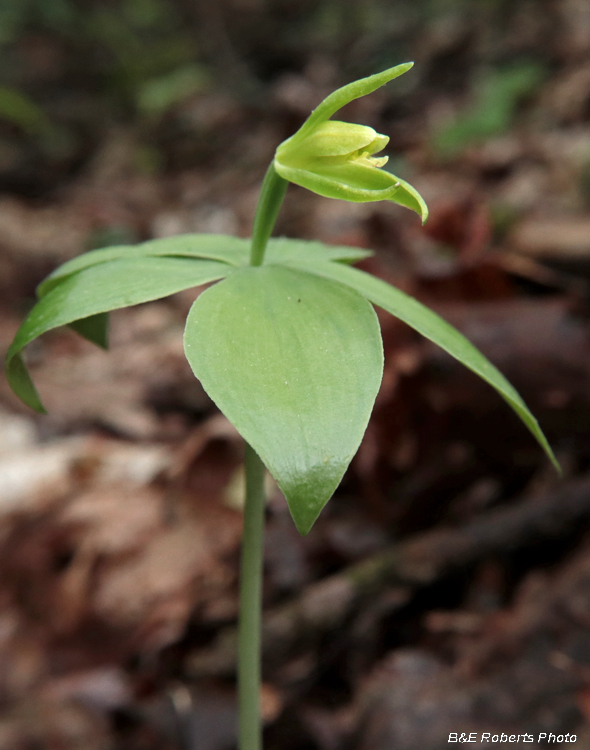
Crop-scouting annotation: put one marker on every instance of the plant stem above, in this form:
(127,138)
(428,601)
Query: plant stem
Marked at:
(250,732)
(271,197)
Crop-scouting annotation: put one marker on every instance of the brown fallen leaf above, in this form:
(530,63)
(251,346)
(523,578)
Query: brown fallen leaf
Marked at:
(552,238)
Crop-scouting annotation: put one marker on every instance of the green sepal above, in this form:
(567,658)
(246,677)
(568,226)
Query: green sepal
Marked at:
(346,94)
(409,197)
(356,183)
(332,182)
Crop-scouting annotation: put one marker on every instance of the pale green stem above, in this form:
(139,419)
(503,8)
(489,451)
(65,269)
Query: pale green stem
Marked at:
(250,733)
(271,197)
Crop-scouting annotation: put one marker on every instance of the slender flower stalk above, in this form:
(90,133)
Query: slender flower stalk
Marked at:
(271,198)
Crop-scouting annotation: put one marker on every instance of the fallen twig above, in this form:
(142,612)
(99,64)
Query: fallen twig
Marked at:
(414,563)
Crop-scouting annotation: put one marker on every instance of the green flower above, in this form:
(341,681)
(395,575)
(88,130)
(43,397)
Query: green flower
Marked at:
(336,159)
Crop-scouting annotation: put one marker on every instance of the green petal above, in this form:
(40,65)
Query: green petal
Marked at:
(331,138)
(359,176)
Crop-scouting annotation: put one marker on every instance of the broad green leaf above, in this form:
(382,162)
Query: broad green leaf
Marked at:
(97,290)
(294,361)
(221,247)
(433,327)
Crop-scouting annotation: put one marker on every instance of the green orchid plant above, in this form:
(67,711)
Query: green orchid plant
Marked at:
(286,342)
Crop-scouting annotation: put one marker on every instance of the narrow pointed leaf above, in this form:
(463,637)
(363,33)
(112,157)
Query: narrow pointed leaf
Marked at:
(97,290)
(294,362)
(221,247)
(95,328)
(280,249)
(433,327)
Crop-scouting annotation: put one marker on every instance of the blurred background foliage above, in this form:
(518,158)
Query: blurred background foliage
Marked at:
(71,69)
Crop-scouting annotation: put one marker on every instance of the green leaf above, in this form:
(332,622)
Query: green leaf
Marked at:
(433,327)
(282,248)
(95,291)
(221,247)
(95,328)
(497,96)
(294,362)
(18,108)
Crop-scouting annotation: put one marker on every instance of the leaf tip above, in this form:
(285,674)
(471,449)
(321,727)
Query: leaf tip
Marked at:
(554,461)
(396,71)
(307,492)
(303,527)
(20,381)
